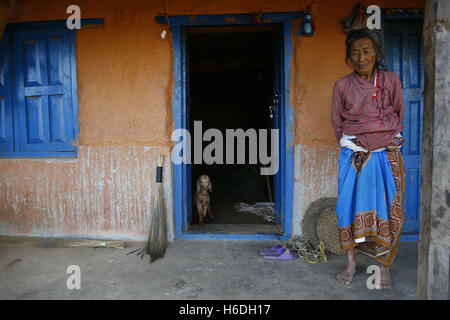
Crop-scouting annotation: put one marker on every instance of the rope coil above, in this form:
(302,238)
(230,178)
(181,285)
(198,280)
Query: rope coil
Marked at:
(304,249)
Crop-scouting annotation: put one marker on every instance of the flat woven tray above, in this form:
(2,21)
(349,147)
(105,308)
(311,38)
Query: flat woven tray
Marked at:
(327,230)
(320,224)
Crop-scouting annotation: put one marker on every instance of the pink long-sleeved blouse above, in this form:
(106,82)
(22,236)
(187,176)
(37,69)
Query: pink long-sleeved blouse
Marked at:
(374,114)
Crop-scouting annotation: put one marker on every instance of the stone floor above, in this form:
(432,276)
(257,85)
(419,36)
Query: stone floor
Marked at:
(213,269)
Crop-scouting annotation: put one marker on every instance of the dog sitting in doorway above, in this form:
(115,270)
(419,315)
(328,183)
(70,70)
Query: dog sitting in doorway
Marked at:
(202,199)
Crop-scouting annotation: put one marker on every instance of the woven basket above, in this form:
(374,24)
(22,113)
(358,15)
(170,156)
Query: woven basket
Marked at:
(320,224)
(327,230)
(309,223)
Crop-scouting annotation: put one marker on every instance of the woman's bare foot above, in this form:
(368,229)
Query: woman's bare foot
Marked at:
(346,276)
(385,278)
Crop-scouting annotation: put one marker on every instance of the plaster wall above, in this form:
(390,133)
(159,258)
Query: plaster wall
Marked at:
(125,88)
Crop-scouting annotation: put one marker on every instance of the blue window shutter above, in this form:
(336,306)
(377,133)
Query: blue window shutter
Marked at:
(43,99)
(6,120)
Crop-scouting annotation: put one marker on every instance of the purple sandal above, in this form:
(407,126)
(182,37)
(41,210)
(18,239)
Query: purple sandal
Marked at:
(274,251)
(286,255)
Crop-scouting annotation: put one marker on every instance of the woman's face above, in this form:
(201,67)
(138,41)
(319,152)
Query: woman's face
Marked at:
(363,56)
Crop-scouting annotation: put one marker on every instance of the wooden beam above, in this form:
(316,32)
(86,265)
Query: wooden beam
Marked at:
(6,9)
(434,240)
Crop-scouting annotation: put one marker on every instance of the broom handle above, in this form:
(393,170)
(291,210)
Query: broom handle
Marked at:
(159,168)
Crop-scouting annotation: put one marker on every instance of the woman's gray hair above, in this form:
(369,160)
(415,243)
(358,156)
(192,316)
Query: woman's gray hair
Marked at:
(373,35)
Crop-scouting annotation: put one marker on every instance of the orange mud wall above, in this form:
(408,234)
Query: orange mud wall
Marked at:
(125,87)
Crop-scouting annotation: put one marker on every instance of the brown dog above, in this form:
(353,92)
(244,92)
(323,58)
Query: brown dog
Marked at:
(202,200)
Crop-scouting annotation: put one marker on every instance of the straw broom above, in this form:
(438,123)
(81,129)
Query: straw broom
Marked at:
(157,236)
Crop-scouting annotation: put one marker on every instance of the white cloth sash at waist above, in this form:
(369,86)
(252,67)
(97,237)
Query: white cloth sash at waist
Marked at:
(346,142)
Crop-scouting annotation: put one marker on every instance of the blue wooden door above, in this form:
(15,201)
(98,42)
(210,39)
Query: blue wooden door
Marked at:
(43,108)
(6,114)
(403,44)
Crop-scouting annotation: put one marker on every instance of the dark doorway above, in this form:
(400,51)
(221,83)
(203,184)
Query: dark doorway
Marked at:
(231,72)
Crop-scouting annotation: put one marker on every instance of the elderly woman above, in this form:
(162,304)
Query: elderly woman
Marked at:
(367,115)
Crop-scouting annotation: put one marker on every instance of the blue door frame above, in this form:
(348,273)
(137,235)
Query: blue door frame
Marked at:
(180,114)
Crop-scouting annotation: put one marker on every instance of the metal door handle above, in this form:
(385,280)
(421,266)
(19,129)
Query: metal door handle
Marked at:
(271,112)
